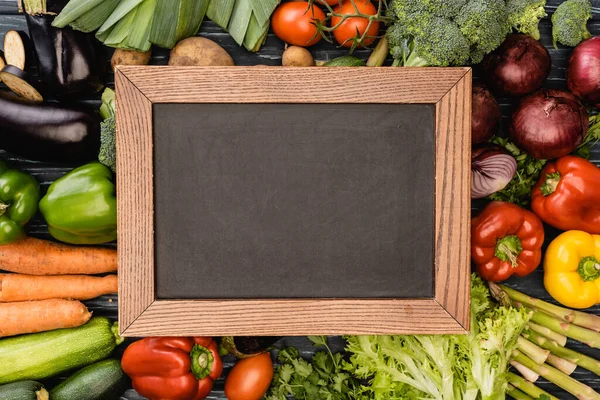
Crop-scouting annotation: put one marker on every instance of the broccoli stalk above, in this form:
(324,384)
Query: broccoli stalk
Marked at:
(569,22)
(108,145)
(524,16)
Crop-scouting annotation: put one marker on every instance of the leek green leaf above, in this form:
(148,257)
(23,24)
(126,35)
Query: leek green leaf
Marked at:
(219,12)
(122,12)
(93,19)
(191,14)
(73,10)
(139,36)
(240,19)
(120,30)
(164,24)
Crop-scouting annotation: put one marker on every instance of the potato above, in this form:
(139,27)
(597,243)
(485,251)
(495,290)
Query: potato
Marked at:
(130,57)
(199,51)
(295,56)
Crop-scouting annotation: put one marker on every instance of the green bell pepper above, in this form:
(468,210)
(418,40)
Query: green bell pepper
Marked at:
(81,207)
(19,196)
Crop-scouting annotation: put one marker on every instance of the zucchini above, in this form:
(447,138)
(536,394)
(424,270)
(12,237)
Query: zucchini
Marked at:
(104,380)
(47,354)
(25,390)
(345,61)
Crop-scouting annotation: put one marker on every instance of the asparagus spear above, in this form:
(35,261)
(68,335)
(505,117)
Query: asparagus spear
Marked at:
(532,350)
(561,364)
(517,394)
(548,333)
(579,318)
(577,389)
(568,354)
(527,387)
(584,335)
(526,372)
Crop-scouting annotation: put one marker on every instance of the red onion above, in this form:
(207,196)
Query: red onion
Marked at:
(486,114)
(583,71)
(518,67)
(549,124)
(492,168)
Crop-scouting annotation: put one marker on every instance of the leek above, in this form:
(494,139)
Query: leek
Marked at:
(93,19)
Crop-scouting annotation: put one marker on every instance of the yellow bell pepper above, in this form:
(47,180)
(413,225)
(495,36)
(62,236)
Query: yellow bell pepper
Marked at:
(572,269)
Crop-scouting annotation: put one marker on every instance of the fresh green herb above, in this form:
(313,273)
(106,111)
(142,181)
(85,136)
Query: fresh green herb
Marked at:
(592,137)
(524,16)
(446,32)
(518,190)
(323,377)
(443,367)
(569,22)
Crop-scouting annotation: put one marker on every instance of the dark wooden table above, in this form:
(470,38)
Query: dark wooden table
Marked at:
(270,54)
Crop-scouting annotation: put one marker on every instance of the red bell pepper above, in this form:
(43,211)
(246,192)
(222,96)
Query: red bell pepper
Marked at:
(505,240)
(567,196)
(173,368)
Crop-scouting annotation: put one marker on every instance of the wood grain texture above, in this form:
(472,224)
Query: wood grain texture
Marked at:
(453,201)
(293,84)
(289,317)
(293,316)
(135,208)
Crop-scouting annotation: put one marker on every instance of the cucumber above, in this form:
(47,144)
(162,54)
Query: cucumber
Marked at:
(104,380)
(46,354)
(25,390)
(345,61)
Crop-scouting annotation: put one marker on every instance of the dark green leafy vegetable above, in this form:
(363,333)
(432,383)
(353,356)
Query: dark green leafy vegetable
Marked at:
(323,377)
(569,22)
(518,190)
(592,137)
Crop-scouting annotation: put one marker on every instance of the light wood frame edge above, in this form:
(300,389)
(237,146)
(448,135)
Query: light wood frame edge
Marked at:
(140,314)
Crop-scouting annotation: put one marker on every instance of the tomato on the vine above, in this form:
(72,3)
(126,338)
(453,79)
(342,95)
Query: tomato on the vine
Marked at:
(250,378)
(294,23)
(354,27)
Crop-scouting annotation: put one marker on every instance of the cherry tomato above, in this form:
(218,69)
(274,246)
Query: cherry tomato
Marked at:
(250,378)
(354,27)
(294,23)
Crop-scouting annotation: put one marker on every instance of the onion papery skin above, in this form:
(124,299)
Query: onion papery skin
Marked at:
(486,114)
(583,71)
(492,168)
(549,124)
(518,67)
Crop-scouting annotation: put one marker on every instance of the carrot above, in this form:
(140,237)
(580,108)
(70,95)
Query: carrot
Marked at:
(41,257)
(17,287)
(40,316)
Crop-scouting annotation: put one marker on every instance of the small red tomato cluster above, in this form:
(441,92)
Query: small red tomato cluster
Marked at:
(297,23)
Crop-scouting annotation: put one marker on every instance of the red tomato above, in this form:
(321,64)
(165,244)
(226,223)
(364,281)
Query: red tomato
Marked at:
(250,378)
(354,27)
(294,23)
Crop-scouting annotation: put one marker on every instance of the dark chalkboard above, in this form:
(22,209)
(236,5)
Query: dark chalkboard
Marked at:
(294,201)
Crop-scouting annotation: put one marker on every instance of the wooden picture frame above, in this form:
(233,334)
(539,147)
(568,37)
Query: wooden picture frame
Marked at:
(141,314)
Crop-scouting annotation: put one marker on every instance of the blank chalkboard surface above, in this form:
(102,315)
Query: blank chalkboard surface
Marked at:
(294,201)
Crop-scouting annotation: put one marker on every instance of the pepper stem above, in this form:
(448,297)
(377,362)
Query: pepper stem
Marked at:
(202,361)
(508,249)
(589,268)
(3,208)
(550,183)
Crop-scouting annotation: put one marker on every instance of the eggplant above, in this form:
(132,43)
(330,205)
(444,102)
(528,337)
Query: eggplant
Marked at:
(248,346)
(47,132)
(71,63)
(17,80)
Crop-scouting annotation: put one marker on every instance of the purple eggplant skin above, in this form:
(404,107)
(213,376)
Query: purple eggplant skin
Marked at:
(48,132)
(71,63)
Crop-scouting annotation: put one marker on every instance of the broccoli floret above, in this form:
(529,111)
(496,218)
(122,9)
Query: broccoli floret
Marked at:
(445,32)
(524,16)
(108,145)
(569,22)
(484,23)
